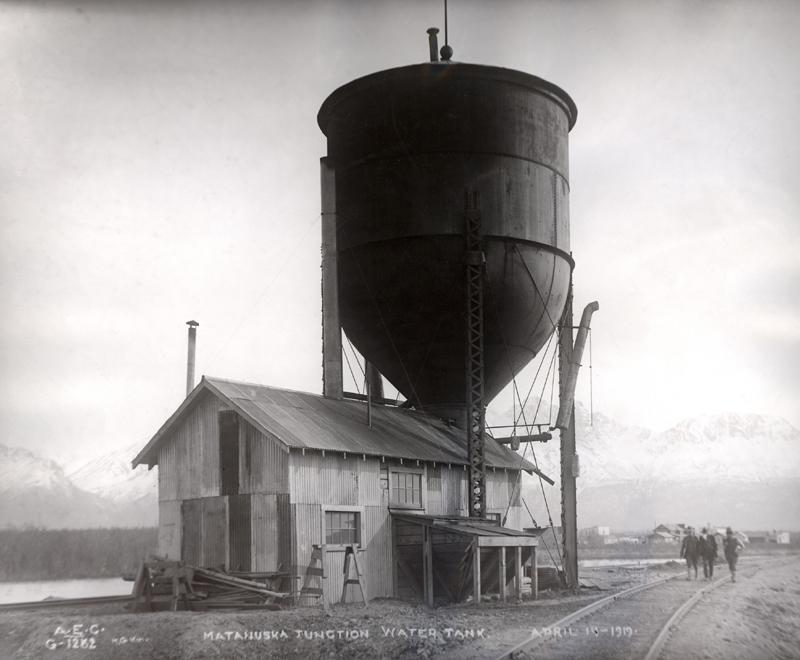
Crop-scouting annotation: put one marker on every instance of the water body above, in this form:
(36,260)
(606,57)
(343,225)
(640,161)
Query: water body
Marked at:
(647,561)
(23,592)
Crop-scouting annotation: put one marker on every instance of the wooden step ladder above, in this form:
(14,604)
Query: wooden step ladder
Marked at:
(314,571)
(349,554)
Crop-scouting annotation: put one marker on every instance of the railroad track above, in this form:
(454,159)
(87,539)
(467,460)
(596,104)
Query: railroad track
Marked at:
(62,602)
(639,627)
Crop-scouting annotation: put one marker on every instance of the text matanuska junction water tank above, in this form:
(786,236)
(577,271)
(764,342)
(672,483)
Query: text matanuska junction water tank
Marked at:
(407,144)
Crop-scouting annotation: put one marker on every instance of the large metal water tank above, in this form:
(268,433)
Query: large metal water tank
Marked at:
(407,144)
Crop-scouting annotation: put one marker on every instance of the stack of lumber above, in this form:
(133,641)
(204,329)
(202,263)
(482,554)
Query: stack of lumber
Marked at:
(219,590)
(161,583)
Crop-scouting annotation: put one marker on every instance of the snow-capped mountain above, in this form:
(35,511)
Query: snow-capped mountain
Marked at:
(35,491)
(737,468)
(105,492)
(111,477)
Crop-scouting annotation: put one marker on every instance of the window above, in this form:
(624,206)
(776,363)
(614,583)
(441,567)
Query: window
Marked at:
(342,528)
(405,489)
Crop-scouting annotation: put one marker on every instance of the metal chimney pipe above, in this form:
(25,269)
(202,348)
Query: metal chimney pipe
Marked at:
(433,43)
(190,357)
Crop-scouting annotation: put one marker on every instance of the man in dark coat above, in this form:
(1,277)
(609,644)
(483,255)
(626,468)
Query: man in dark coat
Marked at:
(732,546)
(690,549)
(708,552)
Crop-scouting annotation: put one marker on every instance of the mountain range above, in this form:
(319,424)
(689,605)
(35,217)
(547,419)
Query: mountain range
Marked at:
(736,469)
(731,469)
(105,492)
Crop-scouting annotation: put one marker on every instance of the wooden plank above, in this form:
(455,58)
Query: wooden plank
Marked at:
(427,558)
(413,578)
(323,554)
(476,573)
(501,573)
(535,574)
(508,541)
(395,587)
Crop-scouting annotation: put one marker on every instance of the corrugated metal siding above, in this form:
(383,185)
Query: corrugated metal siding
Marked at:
(374,560)
(286,538)
(205,532)
(215,532)
(454,490)
(265,532)
(434,503)
(192,532)
(188,460)
(239,533)
(334,479)
(377,563)
(263,462)
(169,529)
(306,525)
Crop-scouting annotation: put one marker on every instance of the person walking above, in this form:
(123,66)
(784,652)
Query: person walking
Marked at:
(708,552)
(732,546)
(690,550)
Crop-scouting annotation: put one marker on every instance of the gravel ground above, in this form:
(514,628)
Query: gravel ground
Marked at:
(384,629)
(757,618)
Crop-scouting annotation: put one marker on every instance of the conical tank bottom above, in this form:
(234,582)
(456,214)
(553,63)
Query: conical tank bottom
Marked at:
(408,145)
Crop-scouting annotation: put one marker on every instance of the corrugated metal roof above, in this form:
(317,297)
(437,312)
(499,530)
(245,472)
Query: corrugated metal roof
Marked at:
(309,421)
(460,525)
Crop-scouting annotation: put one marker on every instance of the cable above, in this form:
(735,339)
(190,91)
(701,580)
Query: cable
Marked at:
(352,375)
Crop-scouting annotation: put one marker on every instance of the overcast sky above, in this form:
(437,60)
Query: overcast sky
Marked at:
(160,163)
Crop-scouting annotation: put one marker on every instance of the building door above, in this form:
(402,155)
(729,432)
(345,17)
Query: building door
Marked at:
(229,452)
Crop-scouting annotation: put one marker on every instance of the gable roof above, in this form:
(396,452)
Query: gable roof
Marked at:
(300,420)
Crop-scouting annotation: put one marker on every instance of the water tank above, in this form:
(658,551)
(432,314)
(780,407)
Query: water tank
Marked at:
(407,144)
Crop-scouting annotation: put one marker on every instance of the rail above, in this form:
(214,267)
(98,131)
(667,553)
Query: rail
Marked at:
(533,639)
(60,602)
(662,637)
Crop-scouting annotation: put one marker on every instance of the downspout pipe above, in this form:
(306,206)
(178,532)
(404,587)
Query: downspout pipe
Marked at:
(568,396)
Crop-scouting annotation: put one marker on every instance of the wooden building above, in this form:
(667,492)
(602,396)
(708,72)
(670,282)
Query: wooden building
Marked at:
(255,478)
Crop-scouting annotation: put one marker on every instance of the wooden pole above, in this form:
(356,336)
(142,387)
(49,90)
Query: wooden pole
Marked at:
(569,518)
(518,571)
(476,572)
(502,573)
(427,556)
(332,384)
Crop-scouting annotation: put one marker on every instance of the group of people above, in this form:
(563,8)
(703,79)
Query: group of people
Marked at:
(704,547)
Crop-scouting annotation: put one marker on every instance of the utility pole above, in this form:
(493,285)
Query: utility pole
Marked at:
(569,362)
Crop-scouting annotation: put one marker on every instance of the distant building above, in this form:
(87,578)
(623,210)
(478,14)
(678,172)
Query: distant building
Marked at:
(744,538)
(668,533)
(630,540)
(781,538)
(660,536)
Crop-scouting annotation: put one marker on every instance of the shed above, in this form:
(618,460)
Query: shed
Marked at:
(261,479)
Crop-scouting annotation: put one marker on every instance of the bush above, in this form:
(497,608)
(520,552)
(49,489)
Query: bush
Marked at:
(52,554)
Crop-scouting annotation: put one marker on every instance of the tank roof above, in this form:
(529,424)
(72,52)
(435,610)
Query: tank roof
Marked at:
(429,71)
